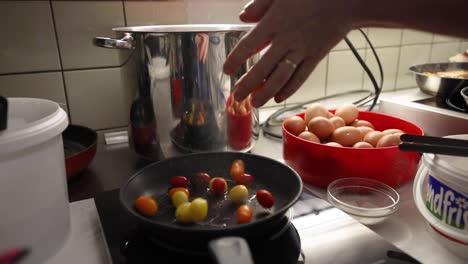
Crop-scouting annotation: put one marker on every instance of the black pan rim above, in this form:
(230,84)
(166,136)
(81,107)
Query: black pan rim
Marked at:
(234,228)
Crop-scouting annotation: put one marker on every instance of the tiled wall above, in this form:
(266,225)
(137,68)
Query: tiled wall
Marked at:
(46,51)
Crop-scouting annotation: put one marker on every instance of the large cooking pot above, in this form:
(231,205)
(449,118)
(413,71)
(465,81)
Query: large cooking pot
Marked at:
(281,180)
(447,91)
(182,91)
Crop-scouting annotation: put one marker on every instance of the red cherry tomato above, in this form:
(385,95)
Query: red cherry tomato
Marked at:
(178,181)
(237,169)
(265,198)
(201,179)
(173,190)
(244,214)
(218,185)
(246,179)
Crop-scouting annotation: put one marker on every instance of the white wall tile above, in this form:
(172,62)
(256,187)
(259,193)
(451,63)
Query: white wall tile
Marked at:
(389,60)
(38,85)
(463,46)
(382,37)
(214,11)
(78,22)
(409,56)
(101,98)
(441,52)
(344,72)
(416,37)
(356,38)
(28,39)
(444,38)
(139,13)
(313,87)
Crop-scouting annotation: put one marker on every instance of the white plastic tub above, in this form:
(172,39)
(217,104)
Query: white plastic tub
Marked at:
(33,188)
(441,194)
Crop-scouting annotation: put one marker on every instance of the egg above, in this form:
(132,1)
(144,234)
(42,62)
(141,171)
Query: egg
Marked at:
(391,131)
(364,130)
(309,136)
(373,137)
(362,144)
(294,125)
(363,123)
(346,136)
(334,144)
(321,127)
(315,110)
(337,121)
(389,140)
(348,112)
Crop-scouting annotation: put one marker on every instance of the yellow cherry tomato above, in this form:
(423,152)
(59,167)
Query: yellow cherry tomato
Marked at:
(183,214)
(178,198)
(239,194)
(146,206)
(199,209)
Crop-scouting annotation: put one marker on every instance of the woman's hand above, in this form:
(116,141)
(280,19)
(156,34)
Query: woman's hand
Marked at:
(301,33)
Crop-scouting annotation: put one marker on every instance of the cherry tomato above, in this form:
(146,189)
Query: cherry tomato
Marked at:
(178,181)
(218,185)
(146,206)
(183,214)
(237,169)
(199,209)
(265,198)
(246,179)
(178,198)
(201,179)
(238,194)
(173,190)
(244,214)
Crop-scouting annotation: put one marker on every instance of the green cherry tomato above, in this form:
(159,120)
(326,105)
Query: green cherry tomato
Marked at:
(238,194)
(183,214)
(199,209)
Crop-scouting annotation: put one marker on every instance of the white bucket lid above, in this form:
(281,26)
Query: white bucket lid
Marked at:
(453,165)
(31,121)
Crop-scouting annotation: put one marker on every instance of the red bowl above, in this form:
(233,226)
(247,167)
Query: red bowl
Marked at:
(320,164)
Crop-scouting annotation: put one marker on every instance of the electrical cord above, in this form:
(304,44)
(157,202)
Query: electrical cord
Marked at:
(272,126)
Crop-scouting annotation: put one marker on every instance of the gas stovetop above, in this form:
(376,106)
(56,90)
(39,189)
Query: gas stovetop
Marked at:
(129,243)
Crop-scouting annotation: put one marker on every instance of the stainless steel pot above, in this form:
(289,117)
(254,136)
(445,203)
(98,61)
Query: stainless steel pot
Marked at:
(181,103)
(446,90)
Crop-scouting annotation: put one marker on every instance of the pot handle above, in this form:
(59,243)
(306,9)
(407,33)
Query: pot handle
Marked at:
(230,250)
(126,42)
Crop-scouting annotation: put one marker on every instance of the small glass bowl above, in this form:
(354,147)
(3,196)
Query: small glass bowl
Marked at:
(368,201)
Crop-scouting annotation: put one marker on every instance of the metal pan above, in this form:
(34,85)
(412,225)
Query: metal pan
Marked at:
(281,180)
(446,90)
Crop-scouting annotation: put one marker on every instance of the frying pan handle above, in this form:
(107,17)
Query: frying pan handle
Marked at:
(126,42)
(230,250)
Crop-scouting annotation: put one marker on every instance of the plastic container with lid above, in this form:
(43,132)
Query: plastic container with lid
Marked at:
(33,188)
(441,194)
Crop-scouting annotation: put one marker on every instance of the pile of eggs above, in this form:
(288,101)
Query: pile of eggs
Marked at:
(341,129)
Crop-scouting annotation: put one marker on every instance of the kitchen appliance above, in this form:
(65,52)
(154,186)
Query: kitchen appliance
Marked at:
(128,243)
(33,187)
(180,105)
(279,179)
(446,89)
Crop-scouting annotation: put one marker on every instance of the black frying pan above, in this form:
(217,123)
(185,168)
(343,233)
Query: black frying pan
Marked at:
(282,181)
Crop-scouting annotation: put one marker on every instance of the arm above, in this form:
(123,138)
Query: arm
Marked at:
(302,32)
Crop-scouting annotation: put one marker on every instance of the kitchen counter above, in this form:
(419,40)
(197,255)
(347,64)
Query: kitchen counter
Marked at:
(328,237)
